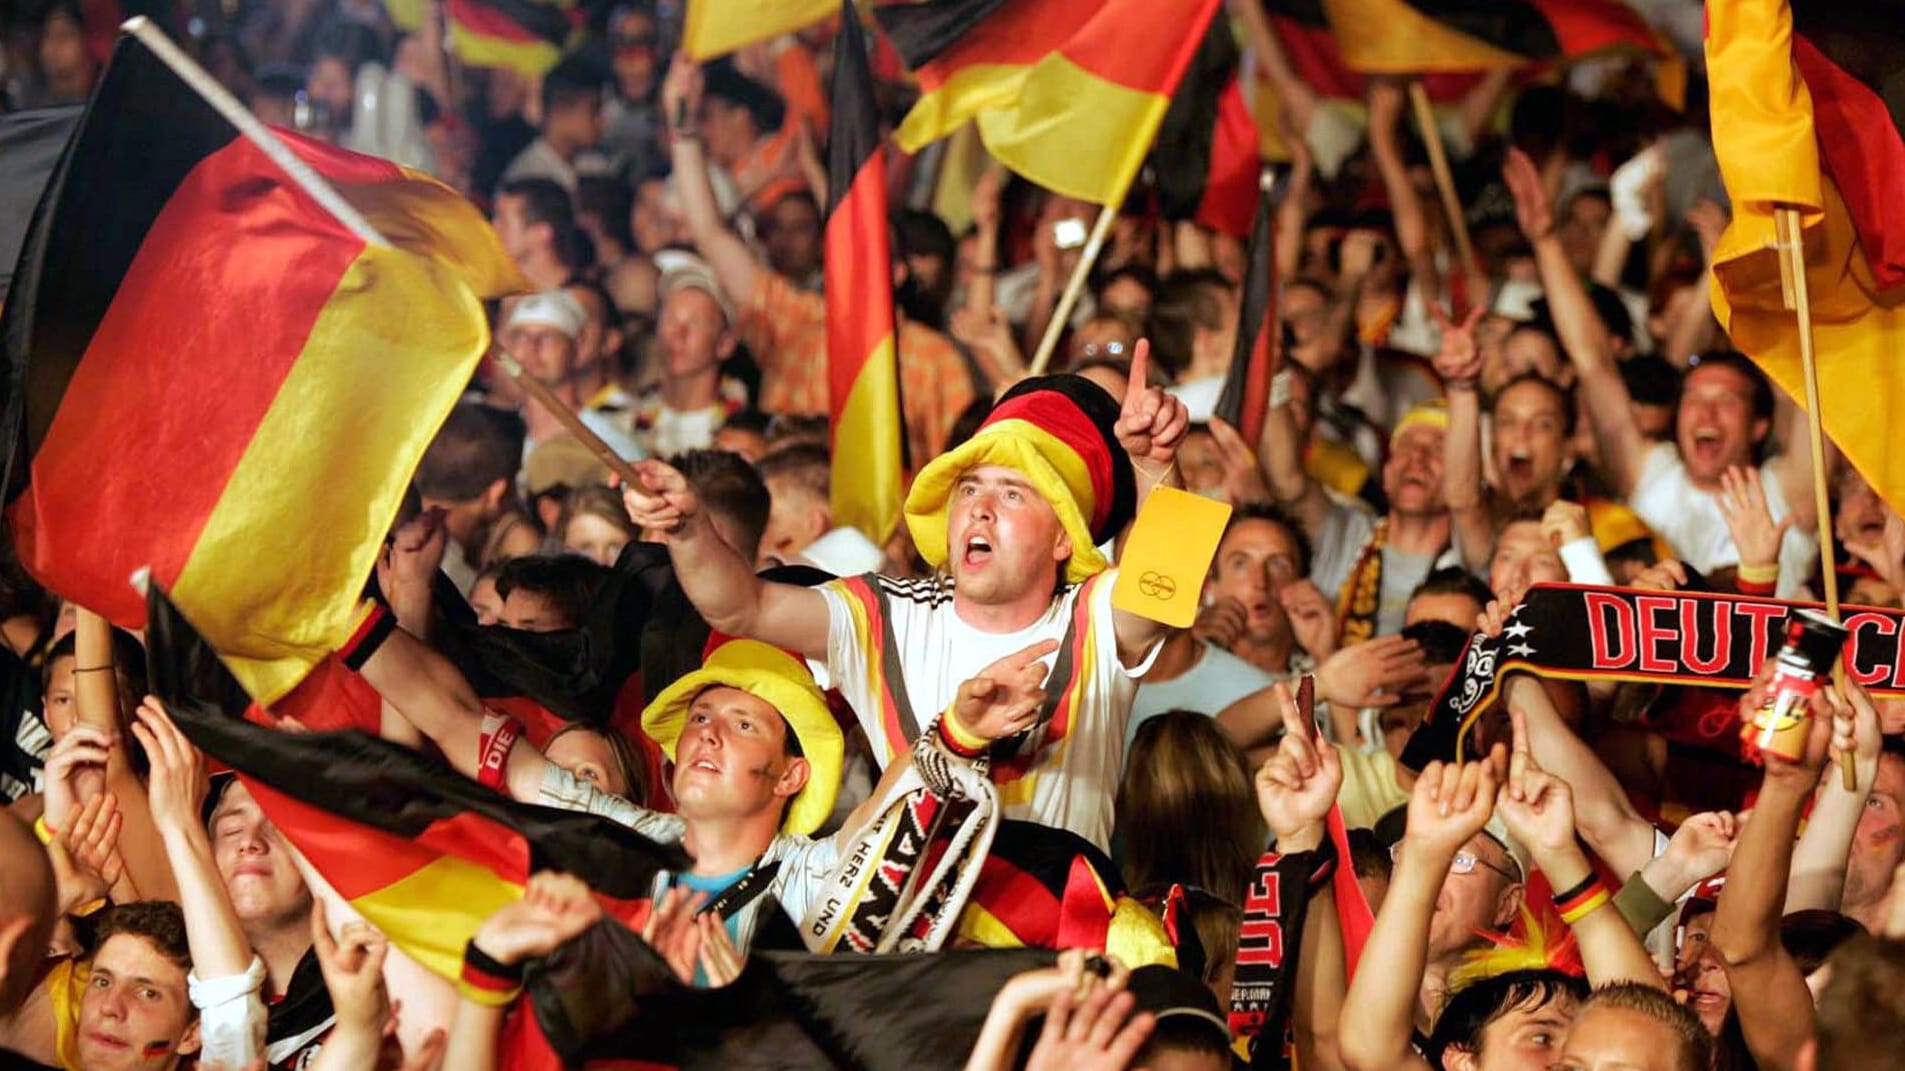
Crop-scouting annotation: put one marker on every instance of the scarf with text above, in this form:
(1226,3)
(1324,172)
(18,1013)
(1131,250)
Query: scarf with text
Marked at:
(1575,632)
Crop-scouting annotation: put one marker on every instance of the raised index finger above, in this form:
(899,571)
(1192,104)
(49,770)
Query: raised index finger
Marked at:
(1518,722)
(1139,375)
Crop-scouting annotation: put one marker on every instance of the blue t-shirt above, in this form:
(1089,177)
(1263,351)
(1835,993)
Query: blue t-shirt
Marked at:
(710,888)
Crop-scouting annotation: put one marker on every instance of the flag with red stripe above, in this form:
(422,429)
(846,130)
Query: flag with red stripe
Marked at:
(1205,159)
(219,375)
(1246,393)
(863,375)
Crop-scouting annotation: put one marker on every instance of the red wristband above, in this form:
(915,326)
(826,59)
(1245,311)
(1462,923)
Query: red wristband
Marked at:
(498,736)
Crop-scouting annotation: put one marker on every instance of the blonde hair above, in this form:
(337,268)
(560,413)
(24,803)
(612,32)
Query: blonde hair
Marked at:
(593,501)
(1186,810)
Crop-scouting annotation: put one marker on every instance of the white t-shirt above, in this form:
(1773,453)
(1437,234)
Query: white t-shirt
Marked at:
(1066,771)
(1690,520)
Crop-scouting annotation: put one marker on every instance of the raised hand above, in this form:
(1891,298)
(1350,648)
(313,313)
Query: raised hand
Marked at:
(721,962)
(672,932)
(555,908)
(681,93)
(1374,673)
(1312,617)
(1668,575)
(1459,360)
(1536,806)
(1452,803)
(415,552)
(1097,1033)
(176,785)
(1297,786)
(1743,505)
(1243,477)
(1563,522)
(664,502)
(1708,221)
(986,192)
(1151,423)
(1005,697)
(1702,846)
(76,772)
(91,844)
(1534,210)
(353,967)
(1831,731)
(1221,623)
(1867,738)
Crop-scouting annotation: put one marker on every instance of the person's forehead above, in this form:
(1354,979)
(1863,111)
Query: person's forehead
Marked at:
(1522,536)
(995,475)
(1716,379)
(1256,535)
(1420,437)
(1526,398)
(128,956)
(1622,1038)
(1554,1006)
(731,700)
(236,800)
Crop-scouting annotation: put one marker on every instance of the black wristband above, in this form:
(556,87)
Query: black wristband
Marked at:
(475,959)
(1579,887)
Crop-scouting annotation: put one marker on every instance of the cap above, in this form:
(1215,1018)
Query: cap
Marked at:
(685,271)
(1169,993)
(551,308)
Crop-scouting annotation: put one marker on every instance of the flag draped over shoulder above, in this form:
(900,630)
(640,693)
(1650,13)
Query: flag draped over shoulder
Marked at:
(198,343)
(717,27)
(863,378)
(523,35)
(1801,118)
(1067,93)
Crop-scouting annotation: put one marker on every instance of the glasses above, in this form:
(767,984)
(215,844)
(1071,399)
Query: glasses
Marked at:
(1464,862)
(1093,350)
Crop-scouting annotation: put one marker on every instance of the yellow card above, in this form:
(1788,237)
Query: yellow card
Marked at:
(1161,573)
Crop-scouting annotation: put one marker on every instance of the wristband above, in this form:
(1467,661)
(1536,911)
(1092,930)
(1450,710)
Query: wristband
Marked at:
(1759,574)
(1280,389)
(494,741)
(957,740)
(43,831)
(1583,903)
(93,669)
(487,982)
(1575,890)
(369,636)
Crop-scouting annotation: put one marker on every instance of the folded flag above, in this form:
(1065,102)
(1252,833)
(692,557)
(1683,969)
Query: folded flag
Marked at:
(244,373)
(1804,116)
(1571,632)
(1067,93)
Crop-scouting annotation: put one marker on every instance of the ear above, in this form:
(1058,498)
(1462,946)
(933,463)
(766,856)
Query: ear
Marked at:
(1761,428)
(819,521)
(189,1042)
(794,778)
(1458,1058)
(494,494)
(725,347)
(1062,547)
(12,932)
(1508,908)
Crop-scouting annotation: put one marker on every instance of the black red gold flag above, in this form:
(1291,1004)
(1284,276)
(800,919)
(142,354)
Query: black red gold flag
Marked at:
(1246,393)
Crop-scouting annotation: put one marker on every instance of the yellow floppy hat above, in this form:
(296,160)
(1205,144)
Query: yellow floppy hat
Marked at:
(783,681)
(1060,433)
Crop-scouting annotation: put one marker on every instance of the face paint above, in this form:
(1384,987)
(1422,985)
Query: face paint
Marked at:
(156,1048)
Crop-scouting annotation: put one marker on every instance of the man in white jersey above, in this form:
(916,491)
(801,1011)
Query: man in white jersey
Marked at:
(1014,520)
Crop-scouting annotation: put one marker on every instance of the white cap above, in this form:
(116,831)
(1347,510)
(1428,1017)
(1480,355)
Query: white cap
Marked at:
(685,271)
(551,308)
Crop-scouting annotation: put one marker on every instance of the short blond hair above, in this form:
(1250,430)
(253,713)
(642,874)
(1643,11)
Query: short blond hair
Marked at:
(1695,1044)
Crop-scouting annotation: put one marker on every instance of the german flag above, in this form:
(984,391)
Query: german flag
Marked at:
(1206,158)
(1418,36)
(1801,118)
(863,374)
(718,27)
(31,142)
(216,377)
(1303,29)
(1246,394)
(522,35)
(1067,93)
(424,854)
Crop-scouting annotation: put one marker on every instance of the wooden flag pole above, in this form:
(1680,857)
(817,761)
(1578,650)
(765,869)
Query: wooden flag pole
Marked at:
(568,418)
(1792,282)
(1107,215)
(1444,177)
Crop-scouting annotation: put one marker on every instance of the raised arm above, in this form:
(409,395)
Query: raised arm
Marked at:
(1150,426)
(721,583)
(1817,879)
(1604,815)
(1623,448)
(1449,805)
(1280,448)
(1459,363)
(1538,810)
(96,704)
(1768,989)
(1386,96)
(733,262)
(555,909)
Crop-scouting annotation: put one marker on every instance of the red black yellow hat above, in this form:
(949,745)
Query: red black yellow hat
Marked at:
(1060,432)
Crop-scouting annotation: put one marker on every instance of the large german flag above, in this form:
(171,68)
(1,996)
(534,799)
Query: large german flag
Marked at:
(863,374)
(522,35)
(424,854)
(1804,115)
(1206,158)
(1417,36)
(1067,93)
(718,27)
(215,377)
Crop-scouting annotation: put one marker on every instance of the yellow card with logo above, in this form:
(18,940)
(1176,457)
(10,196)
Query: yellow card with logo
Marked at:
(1161,573)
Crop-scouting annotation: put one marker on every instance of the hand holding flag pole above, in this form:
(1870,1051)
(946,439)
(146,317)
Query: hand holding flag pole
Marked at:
(1062,315)
(1792,284)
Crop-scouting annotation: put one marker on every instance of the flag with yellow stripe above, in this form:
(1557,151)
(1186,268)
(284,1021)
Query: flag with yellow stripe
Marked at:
(863,375)
(218,380)
(718,27)
(1068,93)
(1800,120)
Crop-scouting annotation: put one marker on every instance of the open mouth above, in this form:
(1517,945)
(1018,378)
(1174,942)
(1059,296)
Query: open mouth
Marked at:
(978,551)
(1520,465)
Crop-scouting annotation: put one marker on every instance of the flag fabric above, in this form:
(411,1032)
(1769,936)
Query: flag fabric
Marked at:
(523,35)
(863,375)
(1206,157)
(423,853)
(1411,36)
(30,145)
(246,379)
(1246,394)
(717,27)
(1067,93)
(1801,118)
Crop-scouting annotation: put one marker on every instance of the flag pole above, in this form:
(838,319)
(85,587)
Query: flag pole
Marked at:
(1792,280)
(1107,215)
(235,113)
(1444,177)
(567,417)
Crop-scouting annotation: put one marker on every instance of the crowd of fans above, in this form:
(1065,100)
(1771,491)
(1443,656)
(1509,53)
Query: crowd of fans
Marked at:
(1605,879)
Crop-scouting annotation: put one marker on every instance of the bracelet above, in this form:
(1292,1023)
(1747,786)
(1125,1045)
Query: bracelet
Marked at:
(45,832)
(1464,386)
(93,669)
(1576,889)
(1575,908)
(958,739)
(486,981)
(1759,574)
